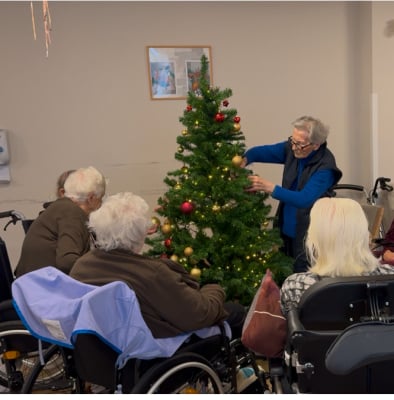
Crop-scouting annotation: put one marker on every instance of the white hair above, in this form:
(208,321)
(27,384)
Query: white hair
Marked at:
(83,182)
(120,223)
(337,242)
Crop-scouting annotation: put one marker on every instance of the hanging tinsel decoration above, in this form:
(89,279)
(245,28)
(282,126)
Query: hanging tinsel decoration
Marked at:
(47,23)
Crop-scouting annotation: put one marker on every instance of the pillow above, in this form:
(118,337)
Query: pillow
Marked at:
(265,328)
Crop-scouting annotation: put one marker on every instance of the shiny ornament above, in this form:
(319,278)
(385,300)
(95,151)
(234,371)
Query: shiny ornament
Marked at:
(180,149)
(185,170)
(195,272)
(174,258)
(155,221)
(219,117)
(168,243)
(189,108)
(237,127)
(237,119)
(237,161)
(196,123)
(187,207)
(166,228)
(188,251)
(225,103)
(178,186)
(184,132)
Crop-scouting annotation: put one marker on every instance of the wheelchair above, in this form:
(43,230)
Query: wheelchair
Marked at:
(19,351)
(120,355)
(203,366)
(340,339)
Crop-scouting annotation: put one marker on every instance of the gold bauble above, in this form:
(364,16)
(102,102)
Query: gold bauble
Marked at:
(174,258)
(185,132)
(166,228)
(195,272)
(237,127)
(237,161)
(188,251)
(155,221)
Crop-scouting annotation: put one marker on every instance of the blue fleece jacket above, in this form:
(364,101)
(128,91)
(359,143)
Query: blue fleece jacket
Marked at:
(318,183)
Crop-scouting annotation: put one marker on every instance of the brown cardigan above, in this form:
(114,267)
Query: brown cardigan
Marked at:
(171,301)
(57,237)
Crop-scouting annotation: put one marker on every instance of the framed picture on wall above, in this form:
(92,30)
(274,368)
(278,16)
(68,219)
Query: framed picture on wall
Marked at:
(175,70)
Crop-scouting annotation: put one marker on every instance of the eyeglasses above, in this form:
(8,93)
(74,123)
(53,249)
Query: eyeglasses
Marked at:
(298,145)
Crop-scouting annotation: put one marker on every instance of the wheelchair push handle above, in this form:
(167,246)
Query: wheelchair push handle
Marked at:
(347,186)
(14,216)
(382,182)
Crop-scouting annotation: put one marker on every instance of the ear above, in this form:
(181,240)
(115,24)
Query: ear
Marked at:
(91,197)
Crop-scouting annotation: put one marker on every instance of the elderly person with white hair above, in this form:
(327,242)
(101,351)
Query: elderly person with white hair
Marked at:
(171,300)
(337,245)
(59,235)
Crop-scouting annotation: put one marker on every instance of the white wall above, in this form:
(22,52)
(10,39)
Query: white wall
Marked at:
(88,103)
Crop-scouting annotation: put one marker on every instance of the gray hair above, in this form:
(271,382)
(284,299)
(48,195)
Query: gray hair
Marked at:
(316,130)
(120,223)
(83,182)
(61,180)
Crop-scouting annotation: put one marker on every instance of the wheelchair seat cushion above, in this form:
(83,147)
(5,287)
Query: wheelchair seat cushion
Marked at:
(57,308)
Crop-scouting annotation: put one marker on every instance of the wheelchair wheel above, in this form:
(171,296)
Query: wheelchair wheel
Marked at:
(55,375)
(185,373)
(18,353)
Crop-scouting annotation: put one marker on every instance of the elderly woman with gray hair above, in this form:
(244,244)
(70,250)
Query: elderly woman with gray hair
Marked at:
(59,235)
(309,173)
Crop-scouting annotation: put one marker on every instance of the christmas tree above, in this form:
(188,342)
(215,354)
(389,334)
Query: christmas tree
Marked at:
(210,224)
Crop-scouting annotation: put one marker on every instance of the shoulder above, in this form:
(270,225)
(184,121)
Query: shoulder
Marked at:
(61,205)
(299,281)
(383,269)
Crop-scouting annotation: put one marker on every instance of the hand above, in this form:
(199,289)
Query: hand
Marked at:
(388,257)
(153,229)
(259,184)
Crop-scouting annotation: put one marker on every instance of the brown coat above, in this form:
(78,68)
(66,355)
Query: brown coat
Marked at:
(171,301)
(56,238)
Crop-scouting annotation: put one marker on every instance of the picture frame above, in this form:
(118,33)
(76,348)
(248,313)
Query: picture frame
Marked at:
(174,70)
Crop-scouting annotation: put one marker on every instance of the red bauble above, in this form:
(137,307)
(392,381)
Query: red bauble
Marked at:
(168,243)
(237,119)
(225,103)
(189,108)
(219,117)
(187,207)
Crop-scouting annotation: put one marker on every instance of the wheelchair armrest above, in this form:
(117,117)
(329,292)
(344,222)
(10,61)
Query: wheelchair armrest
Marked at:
(293,322)
(360,345)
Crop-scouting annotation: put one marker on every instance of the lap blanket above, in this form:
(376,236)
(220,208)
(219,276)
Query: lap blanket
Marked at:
(56,308)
